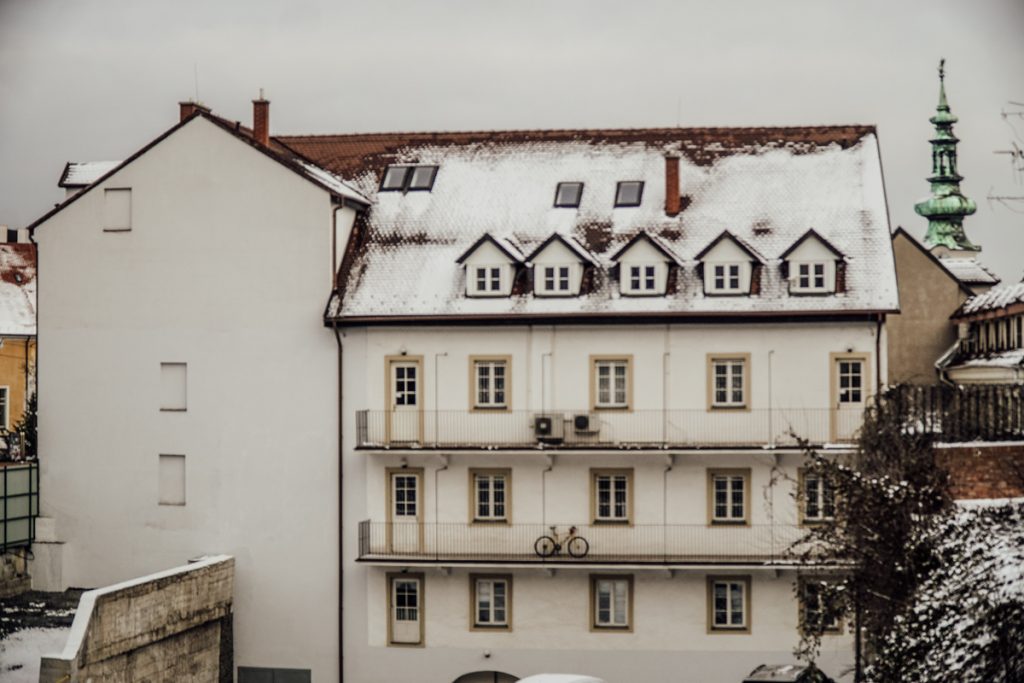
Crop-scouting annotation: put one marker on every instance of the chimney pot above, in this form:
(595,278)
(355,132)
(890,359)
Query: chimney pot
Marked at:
(261,120)
(673,203)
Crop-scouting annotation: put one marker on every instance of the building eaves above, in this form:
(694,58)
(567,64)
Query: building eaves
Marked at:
(742,244)
(569,242)
(506,247)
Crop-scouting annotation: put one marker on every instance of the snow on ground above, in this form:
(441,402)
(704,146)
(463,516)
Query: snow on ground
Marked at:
(21,650)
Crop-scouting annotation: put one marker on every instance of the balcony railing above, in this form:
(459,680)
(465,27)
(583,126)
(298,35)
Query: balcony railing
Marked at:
(605,543)
(19,504)
(604,429)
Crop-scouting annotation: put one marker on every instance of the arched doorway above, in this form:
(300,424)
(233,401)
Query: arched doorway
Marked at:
(486,677)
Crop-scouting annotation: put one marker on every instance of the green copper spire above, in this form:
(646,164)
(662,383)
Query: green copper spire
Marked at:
(946,208)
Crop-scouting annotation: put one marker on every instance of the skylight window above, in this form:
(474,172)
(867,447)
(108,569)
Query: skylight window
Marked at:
(408,178)
(629,193)
(568,195)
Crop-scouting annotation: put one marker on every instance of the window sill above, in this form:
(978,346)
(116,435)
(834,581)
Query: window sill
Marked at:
(728,407)
(489,409)
(737,630)
(490,627)
(728,522)
(611,629)
(174,410)
(612,522)
(491,522)
(117,229)
(621,409)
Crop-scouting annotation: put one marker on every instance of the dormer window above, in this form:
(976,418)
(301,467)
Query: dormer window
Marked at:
(558,264)
(642,279)
(629,193)
(568,195)
(643,265)
(812,265)
(408,179)
(726,277)
(555,279)
(487,279)
(491,264)
(731,266)
(810,277)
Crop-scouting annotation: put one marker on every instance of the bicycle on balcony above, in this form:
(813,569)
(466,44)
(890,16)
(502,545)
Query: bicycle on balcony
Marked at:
(574,544)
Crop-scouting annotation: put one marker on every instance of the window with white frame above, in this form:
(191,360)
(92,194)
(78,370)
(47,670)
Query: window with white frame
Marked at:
(850,373)
(725,277)
(641,279)
(491,601)
(555,279)
(729,599)
(490,496)
(818,612)
(611,383)
(611,496)
(486,280)
(819,498)
(612,596)
(811,277)
(729,382)
(491,382)
(729,490)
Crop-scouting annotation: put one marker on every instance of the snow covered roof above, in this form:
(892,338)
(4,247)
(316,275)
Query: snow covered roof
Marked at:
(970,271)
(992,300)
(570,242)
(811,234)
(738,241)
(654,240)
(84,173)
(1014,358)
(17,289)
(766,186)
(501,243)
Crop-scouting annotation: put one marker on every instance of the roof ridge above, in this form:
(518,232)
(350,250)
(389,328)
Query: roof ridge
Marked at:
(639,129)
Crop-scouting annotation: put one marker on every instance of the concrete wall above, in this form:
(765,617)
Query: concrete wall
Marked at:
(172,626)
(226,268)
(921,331)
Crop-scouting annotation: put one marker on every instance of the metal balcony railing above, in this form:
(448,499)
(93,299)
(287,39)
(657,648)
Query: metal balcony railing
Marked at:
(19,505)
(605,543)
(604,429)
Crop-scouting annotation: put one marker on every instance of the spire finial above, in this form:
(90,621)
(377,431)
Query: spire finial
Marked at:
(942,69)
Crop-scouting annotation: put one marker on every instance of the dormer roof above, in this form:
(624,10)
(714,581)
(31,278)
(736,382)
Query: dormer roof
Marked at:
(654,241)
(504,246)
(812,234)
(571,243)
(726,235)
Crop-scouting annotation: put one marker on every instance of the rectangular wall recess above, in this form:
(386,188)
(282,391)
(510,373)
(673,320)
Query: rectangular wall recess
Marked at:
(117,209)
(173,386)
(172,479)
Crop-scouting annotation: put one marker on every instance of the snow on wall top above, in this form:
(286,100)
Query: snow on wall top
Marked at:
(970,271)
(17,289)
(83,173)
(993,299)
(766,186)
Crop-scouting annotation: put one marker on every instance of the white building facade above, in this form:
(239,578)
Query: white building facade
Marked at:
(571,404)
(547,421)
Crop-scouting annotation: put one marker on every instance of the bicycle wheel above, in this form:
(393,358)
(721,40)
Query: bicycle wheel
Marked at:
(578,546)
(545,546)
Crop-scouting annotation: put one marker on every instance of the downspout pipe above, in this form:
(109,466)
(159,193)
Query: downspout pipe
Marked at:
(341,510)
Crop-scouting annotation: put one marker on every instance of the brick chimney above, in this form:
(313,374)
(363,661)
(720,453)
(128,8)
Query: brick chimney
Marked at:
(673,205)
(261,120)
(186,109)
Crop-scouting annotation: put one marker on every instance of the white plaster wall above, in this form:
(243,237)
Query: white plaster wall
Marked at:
(226,268)
(550,366)
(643,253)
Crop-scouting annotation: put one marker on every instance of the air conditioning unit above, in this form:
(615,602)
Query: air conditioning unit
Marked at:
(585,423)
(549,428)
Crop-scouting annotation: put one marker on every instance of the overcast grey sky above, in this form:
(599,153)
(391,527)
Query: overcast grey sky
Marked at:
(98,79)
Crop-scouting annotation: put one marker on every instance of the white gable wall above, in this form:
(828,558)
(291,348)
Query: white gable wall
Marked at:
(489,256)
(225,269)
(811,251)
(643,253)
(557,254)
(726,252)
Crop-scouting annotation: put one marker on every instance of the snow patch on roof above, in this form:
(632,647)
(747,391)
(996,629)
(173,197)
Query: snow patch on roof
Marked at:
(406,264)
(83,173)
(993,299)
(331,181)
(970,271)
(17,289)
(1013,358)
